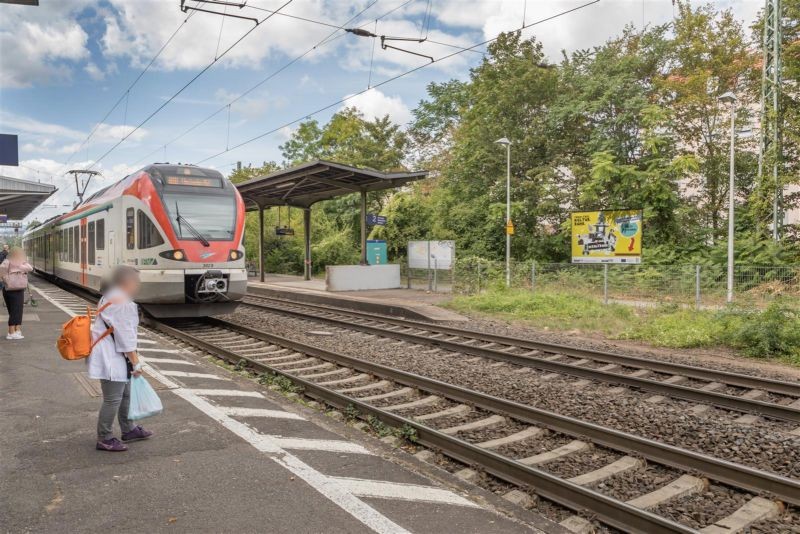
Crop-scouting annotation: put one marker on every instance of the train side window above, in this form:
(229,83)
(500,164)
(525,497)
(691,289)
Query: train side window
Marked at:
(76,244)
(130,237)
(101,234)
(149,236)
(70,256)
(91,243)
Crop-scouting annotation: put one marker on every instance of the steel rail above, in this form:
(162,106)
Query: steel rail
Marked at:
(611,511)
(737,475)
(723,400)
(700,373)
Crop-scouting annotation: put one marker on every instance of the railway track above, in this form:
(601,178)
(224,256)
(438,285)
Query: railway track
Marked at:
(733,391)
(563,459)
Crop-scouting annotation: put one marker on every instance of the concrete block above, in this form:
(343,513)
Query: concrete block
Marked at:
(467,475)
(520,498)
(362,277)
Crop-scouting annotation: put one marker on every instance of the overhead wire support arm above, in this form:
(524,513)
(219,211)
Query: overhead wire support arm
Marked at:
(366,33)
(384,46)
(186,8)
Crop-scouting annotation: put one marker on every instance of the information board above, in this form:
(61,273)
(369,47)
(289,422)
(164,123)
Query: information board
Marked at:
(431,254)
(608,236)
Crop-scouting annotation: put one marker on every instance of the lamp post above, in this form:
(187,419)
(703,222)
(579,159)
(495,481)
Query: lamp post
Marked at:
(507,143)
(730,98)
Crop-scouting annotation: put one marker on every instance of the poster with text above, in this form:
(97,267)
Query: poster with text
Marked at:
(608,236)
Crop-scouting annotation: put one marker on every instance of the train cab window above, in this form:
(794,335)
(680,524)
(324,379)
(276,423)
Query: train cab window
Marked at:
(130,235)
(101,234)
(91,243)
(149,236)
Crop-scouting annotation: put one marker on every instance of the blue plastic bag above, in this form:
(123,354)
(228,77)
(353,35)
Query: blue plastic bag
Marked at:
(144,400)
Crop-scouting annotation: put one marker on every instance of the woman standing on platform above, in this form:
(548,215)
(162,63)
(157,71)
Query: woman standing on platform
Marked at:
(14,274)
(114,358)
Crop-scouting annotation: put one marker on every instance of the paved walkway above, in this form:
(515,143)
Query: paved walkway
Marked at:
(228,455)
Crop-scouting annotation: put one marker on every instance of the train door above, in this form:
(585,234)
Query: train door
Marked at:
(46,251)
(112,252)
(84,252)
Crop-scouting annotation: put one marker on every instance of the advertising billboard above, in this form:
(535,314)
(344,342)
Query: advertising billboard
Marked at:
(607,236)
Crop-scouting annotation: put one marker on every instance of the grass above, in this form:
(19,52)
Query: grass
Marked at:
(772,333)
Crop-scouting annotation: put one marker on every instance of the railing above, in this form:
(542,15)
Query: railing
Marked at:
(644,284)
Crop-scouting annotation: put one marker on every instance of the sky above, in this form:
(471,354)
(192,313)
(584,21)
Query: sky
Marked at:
(67,67)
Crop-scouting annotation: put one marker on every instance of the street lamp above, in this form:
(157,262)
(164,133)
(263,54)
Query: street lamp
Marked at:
(507,143)
(730,98)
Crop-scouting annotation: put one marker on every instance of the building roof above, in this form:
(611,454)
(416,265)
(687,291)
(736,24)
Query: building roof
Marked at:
(311,182)
(20,197)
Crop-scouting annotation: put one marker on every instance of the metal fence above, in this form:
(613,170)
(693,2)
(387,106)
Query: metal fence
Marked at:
(644,285)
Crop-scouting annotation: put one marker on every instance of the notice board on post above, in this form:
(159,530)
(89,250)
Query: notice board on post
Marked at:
(431,254)
(607,236)
(9,150)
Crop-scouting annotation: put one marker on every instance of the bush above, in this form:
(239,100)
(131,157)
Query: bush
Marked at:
(775,332)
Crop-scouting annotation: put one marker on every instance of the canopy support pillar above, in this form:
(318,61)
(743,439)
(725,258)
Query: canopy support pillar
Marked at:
(307,247)
(364,228)
(261,243)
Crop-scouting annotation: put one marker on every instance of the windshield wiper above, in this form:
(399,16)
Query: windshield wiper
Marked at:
(182,220)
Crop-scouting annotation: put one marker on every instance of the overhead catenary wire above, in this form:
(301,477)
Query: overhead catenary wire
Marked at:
(392,79)
(265,79)
(186,85)
(125,94)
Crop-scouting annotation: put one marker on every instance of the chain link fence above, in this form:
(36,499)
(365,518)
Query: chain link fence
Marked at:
(645,285)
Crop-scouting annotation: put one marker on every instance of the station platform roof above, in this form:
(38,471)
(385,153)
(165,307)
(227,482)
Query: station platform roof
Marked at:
(20,197)
(314,181)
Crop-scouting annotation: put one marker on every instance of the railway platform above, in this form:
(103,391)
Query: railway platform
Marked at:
(228,455)
(408,303)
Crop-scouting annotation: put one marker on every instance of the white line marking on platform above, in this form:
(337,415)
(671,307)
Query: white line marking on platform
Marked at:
(395,490)
(184,374)
(226,393)
(236,411)
(163,351)
(327,445)
(159,361)
(146,341)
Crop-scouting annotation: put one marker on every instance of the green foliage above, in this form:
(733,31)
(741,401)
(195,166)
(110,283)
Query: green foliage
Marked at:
(351,413)
(378,426)
(408,433)
(775,332)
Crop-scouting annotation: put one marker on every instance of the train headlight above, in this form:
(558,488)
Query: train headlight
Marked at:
(235,255)
(175,255)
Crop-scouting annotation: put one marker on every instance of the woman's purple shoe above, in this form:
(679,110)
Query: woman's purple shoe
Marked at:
(111,445)
(136,434)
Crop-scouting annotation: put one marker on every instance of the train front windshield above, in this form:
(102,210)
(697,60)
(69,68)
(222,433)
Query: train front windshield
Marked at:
(212,216)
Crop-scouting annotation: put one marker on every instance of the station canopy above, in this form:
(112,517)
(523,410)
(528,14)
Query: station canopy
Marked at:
(314,181)
(20,197)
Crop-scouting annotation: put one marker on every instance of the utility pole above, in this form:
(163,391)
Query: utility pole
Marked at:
(770,150)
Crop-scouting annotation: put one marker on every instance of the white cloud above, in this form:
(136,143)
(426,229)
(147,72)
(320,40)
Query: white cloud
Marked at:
(375,105)
(40,45)
(253,105)
(137,31)
(115,132)
(94,72)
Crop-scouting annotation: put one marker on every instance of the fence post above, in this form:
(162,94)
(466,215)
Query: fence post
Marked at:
(479,277)
(533,277)
(605,283)
(435,277)
(697,287)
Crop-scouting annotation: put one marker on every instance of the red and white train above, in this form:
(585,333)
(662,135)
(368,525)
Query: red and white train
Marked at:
(182,226)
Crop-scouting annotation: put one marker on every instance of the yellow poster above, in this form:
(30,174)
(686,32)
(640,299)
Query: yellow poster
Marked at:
(609,236)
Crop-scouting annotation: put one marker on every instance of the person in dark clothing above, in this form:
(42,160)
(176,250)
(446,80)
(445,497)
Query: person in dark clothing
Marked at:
(4,253)
(14,274)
